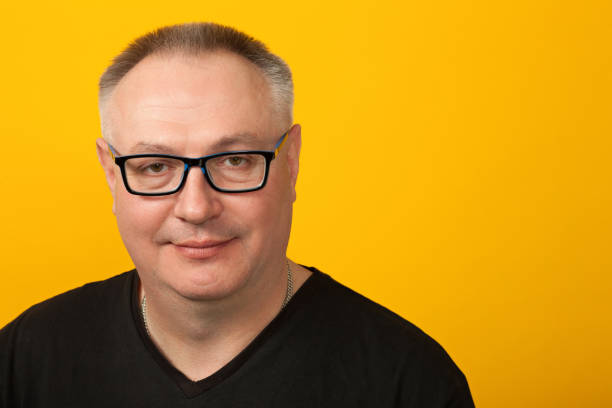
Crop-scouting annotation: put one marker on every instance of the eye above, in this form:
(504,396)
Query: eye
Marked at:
(235,161)
(155,168)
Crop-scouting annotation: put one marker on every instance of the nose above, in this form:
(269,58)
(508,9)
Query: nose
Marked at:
(197,202)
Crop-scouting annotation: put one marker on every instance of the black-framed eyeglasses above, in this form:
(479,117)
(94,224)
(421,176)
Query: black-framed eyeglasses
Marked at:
(227,172)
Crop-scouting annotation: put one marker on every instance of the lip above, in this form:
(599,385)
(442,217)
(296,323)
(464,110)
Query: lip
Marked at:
(194,249)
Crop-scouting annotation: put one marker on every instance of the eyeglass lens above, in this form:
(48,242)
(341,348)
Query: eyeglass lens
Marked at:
(237,172)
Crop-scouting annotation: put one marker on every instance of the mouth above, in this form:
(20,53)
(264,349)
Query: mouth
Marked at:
(201,249)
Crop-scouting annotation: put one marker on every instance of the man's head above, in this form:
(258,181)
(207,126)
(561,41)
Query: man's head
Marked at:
(193,91)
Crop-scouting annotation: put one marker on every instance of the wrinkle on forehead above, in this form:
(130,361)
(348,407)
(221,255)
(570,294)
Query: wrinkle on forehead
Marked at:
(222,143)
(184,91)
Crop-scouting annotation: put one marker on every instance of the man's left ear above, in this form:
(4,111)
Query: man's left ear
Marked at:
(293,155)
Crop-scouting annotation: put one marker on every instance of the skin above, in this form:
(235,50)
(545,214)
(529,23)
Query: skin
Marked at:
(212,265)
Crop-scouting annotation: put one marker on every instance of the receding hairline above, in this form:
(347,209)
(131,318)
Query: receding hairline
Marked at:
(195,39)
(170,54)
(106,102)
(187,55)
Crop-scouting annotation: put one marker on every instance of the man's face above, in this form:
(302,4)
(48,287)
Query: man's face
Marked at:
(200,243)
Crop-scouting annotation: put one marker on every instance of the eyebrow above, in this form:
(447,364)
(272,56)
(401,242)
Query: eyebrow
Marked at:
(236,139)
(225,142)
(144,147)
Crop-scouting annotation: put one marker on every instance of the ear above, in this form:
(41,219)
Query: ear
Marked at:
(108,165)
(293,155)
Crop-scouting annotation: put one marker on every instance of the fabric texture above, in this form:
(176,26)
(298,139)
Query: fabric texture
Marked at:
(329,347)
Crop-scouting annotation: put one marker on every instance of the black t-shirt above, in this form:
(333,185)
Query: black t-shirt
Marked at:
(329,347)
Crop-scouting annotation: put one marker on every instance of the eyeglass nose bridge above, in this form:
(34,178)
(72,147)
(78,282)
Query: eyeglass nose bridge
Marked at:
(201,163)
(195,162)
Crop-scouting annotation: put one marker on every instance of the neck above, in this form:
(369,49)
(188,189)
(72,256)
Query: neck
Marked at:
(199,337)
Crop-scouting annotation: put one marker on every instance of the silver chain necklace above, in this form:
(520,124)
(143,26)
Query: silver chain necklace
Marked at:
(289,291)
(288,295)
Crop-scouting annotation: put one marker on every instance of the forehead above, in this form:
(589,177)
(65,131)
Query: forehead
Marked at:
(191,102)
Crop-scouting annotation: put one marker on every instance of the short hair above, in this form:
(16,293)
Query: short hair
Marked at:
(194,39)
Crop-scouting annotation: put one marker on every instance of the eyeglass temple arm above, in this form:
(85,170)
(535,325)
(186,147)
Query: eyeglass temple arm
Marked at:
(112,151)
(280,143)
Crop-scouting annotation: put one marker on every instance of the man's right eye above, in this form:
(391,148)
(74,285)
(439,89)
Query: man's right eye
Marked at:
(154,168)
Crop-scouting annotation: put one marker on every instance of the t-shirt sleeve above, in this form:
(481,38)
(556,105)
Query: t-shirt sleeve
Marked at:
(430,378)
(460,396)
(8,340)
(440,391)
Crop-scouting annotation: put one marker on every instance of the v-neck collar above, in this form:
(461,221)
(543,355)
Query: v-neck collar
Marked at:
(192,389)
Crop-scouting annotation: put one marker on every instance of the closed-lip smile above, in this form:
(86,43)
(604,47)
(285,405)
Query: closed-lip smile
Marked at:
(200,249)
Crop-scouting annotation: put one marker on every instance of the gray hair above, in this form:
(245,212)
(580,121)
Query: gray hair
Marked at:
(193,39)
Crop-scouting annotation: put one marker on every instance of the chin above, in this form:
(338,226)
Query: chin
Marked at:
(196,288)
(210,280)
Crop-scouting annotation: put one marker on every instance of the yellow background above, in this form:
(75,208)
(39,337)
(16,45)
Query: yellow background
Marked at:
(455,168)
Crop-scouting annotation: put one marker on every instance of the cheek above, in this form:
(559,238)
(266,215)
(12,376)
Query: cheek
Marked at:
(139,219)
(267,213)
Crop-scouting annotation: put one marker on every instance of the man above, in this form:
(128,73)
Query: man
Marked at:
(201,158)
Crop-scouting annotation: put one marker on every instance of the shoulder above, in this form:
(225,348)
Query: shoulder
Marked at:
(382,343)
(347,307)
(47,342)
(70,309)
